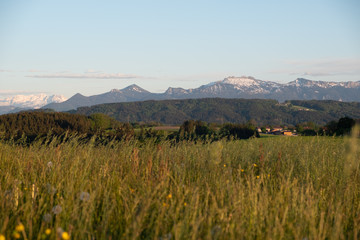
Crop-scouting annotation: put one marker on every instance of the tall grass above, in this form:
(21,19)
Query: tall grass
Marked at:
(275,188)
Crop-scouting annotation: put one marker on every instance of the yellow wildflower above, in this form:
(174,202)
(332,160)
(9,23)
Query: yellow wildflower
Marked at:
(2,237)
(268,175)
(169,196)
(242,170)
(255,165)
(19,228)
(257,177)
(185,204)
(48,231)
(65,236)
(224,165)
(16,235)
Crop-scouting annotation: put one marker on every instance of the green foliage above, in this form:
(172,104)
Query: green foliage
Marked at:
(275,188)
(345,125)
(339,128)
(32,125)
(101,121)
(238,131)
(308,132)
(191,129)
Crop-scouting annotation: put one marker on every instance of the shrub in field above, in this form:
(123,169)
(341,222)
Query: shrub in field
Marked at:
(238,131)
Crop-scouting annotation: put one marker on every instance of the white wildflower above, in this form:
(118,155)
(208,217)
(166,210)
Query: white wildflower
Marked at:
(57,209)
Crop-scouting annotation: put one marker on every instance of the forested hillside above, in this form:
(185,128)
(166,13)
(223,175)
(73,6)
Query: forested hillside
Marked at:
(217,110)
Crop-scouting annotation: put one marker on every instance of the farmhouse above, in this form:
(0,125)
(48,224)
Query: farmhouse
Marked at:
(275,129)
(287,133)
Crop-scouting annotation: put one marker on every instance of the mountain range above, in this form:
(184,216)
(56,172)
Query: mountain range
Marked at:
(230,87)
(25,102)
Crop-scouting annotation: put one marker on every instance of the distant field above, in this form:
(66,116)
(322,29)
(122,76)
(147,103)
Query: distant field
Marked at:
(266,188)
(263,135)
(167,128)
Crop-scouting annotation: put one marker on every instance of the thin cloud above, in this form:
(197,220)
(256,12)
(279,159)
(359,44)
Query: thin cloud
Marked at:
(321,67)
(18,71)
(320,74)
(18,92)
(35,70)
(325,62)
(93,71)
(87,75)
(194,78)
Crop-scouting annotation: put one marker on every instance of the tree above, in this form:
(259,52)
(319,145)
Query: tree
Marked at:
(345,125)
(237,131)
(263,129)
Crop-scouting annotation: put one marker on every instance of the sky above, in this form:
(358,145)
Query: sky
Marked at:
(90,47)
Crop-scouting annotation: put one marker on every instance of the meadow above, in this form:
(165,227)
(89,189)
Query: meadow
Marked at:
(261,188)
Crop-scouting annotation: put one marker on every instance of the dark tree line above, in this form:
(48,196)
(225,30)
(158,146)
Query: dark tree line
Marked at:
(37,125)
(201,130)
(339,128)
(34,125)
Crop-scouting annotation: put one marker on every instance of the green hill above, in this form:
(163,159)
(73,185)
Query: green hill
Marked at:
(218,110)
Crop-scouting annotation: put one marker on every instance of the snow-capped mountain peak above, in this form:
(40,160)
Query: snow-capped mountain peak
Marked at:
(241,81)
(134,88)
(31,101)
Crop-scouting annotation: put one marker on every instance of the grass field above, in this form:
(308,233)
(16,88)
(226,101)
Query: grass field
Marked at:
(272,188)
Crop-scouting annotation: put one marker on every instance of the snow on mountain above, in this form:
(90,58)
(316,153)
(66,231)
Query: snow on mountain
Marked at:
(230,87)
(31,101)
(241,81)
(175,91)
(250,84)
(135,88)
(302,82)
(131,88)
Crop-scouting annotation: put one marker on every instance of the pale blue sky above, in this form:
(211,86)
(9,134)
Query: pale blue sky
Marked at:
(65,47)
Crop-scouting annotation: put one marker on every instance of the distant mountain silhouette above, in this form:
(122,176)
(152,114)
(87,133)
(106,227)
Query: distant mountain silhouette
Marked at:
(231,87)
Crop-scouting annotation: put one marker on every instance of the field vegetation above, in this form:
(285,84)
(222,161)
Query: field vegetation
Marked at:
(91,177)
(261,188)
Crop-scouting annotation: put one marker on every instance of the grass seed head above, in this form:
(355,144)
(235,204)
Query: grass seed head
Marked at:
(57,209)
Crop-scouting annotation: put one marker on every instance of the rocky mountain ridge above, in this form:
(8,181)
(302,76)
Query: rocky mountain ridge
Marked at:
(230,87)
